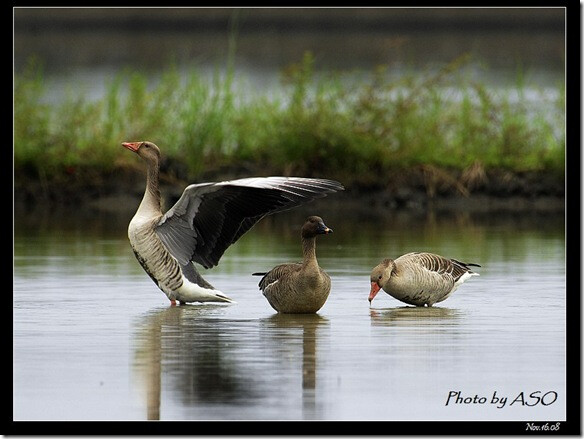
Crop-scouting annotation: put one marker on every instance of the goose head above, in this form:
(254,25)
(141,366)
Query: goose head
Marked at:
(379,276)
(147,150)
(314,226)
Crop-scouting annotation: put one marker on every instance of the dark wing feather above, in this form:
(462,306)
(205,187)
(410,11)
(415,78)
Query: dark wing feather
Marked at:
(209,217)
(461,267)
(226,216)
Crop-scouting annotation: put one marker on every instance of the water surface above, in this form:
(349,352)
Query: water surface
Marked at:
(95,340)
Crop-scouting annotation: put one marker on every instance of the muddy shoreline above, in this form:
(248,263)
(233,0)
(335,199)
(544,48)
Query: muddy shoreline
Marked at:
(419,189)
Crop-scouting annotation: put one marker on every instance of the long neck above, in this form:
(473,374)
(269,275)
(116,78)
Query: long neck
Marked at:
(309,251)
(151,203)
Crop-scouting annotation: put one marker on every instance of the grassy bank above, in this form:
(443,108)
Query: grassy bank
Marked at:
(319,125)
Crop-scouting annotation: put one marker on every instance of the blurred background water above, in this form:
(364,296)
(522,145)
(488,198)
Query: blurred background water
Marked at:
(83,47)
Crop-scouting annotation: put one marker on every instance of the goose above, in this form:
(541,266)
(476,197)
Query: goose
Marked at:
(204,222)
(419,278)
(300,287)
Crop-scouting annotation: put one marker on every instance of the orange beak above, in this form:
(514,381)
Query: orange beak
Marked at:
(132,146)
(374,290)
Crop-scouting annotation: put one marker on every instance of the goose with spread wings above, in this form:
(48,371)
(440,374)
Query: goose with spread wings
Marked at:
(204,222)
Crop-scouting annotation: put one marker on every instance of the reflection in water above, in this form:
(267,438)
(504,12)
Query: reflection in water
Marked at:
(308,324)
(414,316)
(205,359)
(148,356)
(196,353)
(246,362)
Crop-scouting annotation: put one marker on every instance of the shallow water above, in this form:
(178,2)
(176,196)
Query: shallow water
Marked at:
(95,340)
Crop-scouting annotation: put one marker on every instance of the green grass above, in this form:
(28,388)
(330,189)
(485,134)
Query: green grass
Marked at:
(319,125)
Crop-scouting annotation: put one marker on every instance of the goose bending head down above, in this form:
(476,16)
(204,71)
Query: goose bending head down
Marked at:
(204,222)
(419,278)
(301,287)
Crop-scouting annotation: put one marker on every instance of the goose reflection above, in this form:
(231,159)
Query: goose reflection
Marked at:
(220,367)
(198,352)
(280,328)
(414,316)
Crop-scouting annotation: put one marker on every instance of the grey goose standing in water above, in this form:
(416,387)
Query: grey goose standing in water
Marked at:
(419,278)
(204,222)
(300,287)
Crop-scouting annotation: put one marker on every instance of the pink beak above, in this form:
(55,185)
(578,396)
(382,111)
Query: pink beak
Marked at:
(132,146)
(374,290)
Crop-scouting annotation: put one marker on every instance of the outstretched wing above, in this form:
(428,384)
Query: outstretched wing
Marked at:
(209,217)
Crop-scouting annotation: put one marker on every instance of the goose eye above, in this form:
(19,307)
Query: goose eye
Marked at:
(379,277)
